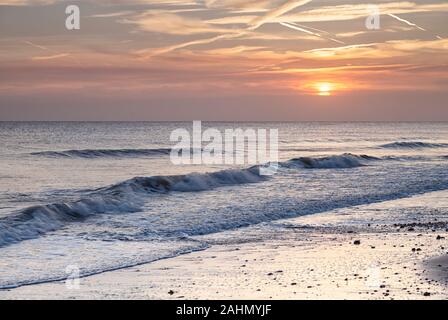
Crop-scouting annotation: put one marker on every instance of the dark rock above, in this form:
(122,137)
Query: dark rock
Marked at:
(357,242)
(427,294)
(171,292)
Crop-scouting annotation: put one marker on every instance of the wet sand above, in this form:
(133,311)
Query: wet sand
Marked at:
(320,266)
(439,268)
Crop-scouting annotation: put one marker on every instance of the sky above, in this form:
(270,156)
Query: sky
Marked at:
(229,60)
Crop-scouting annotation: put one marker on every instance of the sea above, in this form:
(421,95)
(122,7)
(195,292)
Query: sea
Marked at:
(100,196)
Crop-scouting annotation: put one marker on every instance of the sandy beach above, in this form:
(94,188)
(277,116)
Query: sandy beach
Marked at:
(305,259)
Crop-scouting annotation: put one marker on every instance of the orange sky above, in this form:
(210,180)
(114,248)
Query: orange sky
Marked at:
(224,60)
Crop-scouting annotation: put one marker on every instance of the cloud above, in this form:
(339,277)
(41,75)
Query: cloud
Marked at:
(25,2)
(359,11)
(148,53)
(268,17)
(188,26)
(241,5)
(51,57)
(328,51)
(168,23)
(112,14)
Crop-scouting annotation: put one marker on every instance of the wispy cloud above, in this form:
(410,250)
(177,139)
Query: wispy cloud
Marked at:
(51,57)
(148,53)
(359,11)
(185,26)
(54,54)
(111,14)
(25,2)
(268,17)
(169,23)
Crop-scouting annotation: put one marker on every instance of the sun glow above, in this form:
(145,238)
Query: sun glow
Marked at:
(324,88)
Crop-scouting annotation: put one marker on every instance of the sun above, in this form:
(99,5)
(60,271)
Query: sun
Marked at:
(324,88)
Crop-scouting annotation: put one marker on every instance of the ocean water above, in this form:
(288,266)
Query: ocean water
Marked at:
(102,196)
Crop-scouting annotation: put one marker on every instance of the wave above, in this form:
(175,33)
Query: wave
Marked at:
(413,145)
(344,161)
(129,196)
(100,153)
(124,197)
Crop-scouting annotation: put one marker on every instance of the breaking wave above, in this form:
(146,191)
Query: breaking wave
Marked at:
(124,197)
(413,145)
(101,153)
(344,161)
(129,196)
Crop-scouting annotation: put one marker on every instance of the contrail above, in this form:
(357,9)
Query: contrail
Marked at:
(363,45)
(315,29)
(252,25)
(35,45)
(295,27)
(285,8)
(56,54)
(411,24)
(285,24)
(406,21)
(318,30)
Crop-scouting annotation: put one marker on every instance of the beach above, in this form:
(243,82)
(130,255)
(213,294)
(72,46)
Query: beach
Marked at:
(306,259)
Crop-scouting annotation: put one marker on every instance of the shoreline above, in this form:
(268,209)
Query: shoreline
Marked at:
(391,250)
(331,266)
